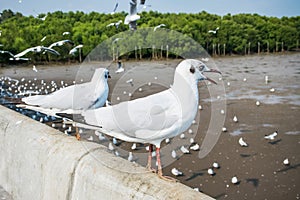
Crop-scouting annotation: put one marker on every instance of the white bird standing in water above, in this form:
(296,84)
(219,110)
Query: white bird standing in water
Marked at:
(140,120)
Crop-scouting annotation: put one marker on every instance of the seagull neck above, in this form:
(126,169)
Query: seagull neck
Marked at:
(186,90)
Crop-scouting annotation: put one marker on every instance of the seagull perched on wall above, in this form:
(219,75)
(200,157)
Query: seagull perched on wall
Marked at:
(154,118)
(132,17)
(74,98)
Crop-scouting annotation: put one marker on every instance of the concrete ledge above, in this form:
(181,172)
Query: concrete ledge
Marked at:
(38,162)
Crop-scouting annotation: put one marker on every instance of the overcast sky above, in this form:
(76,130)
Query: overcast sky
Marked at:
(277,8)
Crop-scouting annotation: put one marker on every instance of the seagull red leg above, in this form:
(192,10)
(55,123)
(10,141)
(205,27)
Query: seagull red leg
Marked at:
(150,159)
(77,134)
(160,173)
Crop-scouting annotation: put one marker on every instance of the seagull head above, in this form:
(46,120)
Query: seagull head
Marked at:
(106,74)
(195,69)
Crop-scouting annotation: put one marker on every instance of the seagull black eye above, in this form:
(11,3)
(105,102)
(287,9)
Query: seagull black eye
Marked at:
(192,69)
(201,67)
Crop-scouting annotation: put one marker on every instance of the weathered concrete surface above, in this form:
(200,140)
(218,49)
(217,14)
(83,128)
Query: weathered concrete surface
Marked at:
(38,162)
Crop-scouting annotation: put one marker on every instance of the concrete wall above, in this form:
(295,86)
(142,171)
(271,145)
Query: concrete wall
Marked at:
(38,162)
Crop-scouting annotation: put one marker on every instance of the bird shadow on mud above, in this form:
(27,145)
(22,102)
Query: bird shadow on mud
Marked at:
(289,168)
(195,175)
(275,142)
(253,181)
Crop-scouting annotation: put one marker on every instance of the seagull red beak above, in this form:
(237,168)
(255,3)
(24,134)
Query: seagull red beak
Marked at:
(214,71)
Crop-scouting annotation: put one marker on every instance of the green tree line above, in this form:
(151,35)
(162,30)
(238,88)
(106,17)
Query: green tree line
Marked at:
(237,34)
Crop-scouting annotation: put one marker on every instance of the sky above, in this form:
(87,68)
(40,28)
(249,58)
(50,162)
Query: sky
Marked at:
(276,8)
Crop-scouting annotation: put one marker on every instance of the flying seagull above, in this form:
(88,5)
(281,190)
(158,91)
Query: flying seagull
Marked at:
(214,31)
(116,24)
(159,26)
(114,11)
(154,118)
(37,49)
(60,43)
(75,49)
(132,17)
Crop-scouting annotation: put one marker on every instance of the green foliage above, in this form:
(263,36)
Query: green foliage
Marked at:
(19,32)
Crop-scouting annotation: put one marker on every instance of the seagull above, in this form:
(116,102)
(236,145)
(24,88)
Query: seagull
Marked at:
(286,161)
(214,31)
(114,10)
(174,155)
(216,165)
(271,136)
(44,18)
(234,180)
(130,81)
(37,49)
(116,24)
(75,49)
(235,119)
(133,147)
(34,68)
(210,171)
(176,172)
(159,26)
(184,150)
(66,33)
(132,17)
(120,68)
(242,143)
(153,118)
(130,157)
(195,147)
(72,99)
(60,43)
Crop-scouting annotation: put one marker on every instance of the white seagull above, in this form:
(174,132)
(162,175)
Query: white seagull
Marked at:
(154,118)
(120,68)
(271,136)
(132,17)
(115,8)
(37,49)
(116,24)
(60,43)
(214,31)
(159,26)
(13,56)
(176,172)
(83,96)
(66,33)
(242,143)
(72,99)
(75,49)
